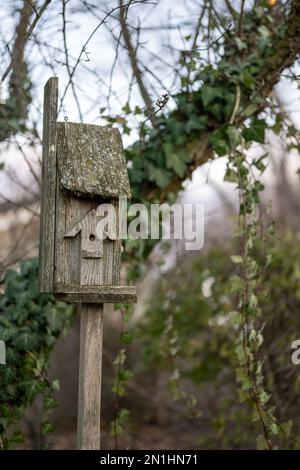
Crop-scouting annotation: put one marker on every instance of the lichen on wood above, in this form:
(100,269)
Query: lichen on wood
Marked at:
(91,161)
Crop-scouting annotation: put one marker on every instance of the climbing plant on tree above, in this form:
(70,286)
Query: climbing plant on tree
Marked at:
(221,109)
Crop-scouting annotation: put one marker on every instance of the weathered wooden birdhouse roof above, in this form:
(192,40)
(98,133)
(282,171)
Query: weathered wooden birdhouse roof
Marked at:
(102,172)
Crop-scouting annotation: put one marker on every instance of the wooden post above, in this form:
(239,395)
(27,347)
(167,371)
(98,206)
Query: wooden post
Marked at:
(47,221)
(83,170)
(90,365)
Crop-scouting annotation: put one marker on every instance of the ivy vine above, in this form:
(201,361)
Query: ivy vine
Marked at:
(30,324)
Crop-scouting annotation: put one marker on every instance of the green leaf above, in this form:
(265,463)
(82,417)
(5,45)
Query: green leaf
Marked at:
(234,136)
(54,319)
(235,318)
(126,108)
(47,428)
(286,427)
(208,94)
(264,397)
(123,415)
(25,340)
(55,385)
(231,176)
(236,284)
(273,429)
(256,131)
(219,141)
(49,404)
(261,443)
(160,176)
(241,45)
(249,110)
(17,437)
(121,358)
(175,163)
(241,355)
(126,337)
(259,164)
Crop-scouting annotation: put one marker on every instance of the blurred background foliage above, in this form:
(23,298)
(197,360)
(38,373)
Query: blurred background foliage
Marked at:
(197,298)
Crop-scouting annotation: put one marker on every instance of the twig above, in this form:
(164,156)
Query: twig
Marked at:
(83,49)
(28,34)
(236,104)
(134,63)
(67,58)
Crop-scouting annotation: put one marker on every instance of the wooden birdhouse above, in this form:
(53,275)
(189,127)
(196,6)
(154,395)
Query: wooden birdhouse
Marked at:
(83,176)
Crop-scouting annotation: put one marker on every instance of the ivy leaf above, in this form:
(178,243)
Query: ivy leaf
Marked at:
(174,162)
(235,318)
(264,397)
(273,429)
(25,340)
(208,94)
(219,140)
(195,123)
(55,385)
(241,45)
(17,437)
(137,110)
(256,132)
(234,136)
(121,358)
(241,355)
(126,338)
(286,427)
(236,283)
(160,176)
(259,164)
(126,108)
(49,403)
(47,427)
(231,176)
(54,319)
(249,110)
(261,443)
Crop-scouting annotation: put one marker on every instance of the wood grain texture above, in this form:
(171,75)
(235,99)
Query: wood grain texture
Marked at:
(94,294)
(90,365)
(73,269)
(47,221)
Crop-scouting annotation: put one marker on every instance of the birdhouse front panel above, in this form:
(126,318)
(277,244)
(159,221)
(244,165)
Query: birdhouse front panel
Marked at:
(84,256)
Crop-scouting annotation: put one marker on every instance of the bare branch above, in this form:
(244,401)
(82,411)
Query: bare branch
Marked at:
(134,64)
(83,49)
(64,2)
(21,37)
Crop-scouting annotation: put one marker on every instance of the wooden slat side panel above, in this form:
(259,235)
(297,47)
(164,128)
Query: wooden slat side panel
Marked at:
(47,222)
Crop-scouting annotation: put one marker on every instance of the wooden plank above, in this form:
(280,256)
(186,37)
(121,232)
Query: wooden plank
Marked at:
(90,365)
(94,294)
(47,222)
(71,267)
(69,263)
(98,297)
